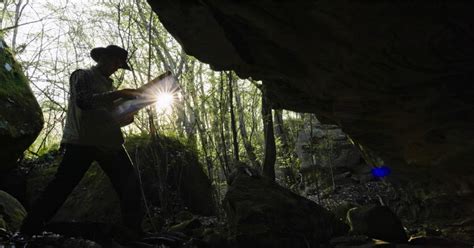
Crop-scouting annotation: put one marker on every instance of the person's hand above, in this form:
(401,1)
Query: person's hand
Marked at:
(126,120)
(128,93)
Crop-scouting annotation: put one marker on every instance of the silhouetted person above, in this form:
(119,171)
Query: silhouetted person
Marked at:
(92,134)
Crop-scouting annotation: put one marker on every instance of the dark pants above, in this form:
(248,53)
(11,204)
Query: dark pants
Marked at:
(76,161)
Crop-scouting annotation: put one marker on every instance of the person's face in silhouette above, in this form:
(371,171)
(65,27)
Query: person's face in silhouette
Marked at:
(109,64)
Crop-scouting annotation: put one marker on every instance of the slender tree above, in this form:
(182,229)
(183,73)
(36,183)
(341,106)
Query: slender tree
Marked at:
(286,153)
(250,150)
(235,141)
(222,126)
(268,168)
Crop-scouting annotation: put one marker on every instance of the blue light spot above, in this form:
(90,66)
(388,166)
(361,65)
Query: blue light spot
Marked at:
(381,171)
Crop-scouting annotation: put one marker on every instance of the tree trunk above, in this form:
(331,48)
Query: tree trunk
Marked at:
(223,110)
(232,117)
(282,135)
(19,7)
(243,132)
(268,169)
(201,125)
(280,132)
(4,10)
(190,115)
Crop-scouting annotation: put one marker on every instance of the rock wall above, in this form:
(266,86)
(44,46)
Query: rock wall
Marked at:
(21,118)
(395,75)
(325,145)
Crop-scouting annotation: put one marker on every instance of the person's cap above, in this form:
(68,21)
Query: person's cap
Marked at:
(111,51)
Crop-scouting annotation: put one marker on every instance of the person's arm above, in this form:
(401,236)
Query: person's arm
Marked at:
(87,99)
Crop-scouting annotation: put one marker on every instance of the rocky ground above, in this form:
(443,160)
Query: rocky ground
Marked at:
(339,208)
(259,213)
(428,220)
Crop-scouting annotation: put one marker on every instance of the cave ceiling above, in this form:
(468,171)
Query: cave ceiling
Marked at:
(397,76)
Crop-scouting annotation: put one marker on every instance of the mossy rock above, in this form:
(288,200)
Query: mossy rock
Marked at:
(12,212)
(95,200)
(21,118)
(188,185)
(261,213)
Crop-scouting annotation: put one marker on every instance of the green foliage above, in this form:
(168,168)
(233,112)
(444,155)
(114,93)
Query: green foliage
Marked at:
(199,123)
(170,142)
(45,149)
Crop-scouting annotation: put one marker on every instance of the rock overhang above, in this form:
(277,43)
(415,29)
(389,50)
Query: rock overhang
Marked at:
(396,76)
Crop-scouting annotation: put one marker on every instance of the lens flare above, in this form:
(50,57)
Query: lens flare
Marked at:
(380,172)
(165,94)
(164,101)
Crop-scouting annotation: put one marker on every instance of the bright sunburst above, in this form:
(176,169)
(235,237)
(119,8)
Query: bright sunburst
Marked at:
(164,101)
(165,94)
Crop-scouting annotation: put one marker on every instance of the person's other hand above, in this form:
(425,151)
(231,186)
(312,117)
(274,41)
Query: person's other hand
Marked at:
(126,120)
(128,93)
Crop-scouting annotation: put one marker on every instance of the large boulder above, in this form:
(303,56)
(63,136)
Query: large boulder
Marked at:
(183,174)
(263,214)
(94,199)
(399,86)
(12,212)
(377,222)
(21,118)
